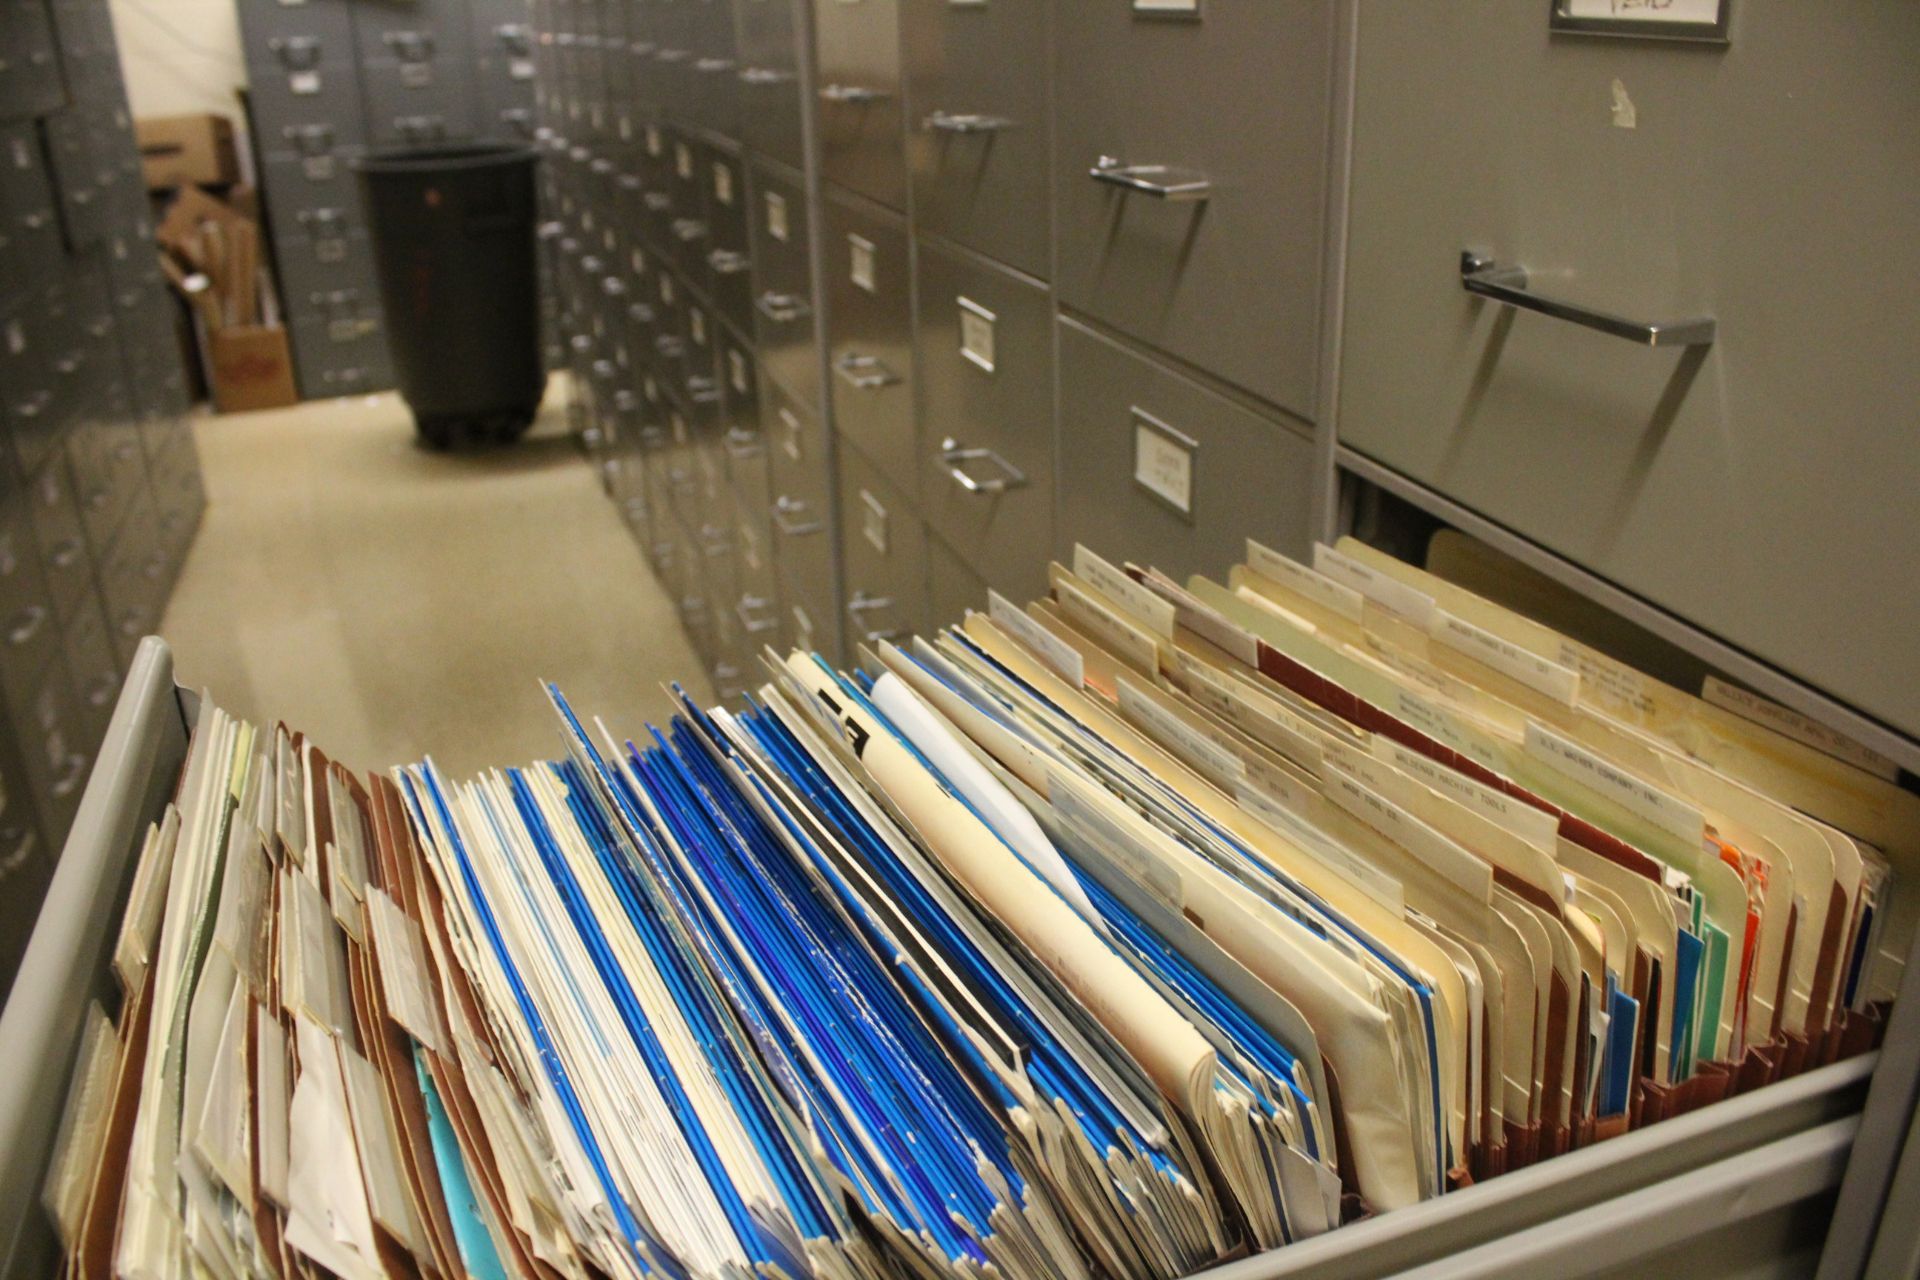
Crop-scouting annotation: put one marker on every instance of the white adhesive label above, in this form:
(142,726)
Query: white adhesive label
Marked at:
(1334,597)
(1661,809)
(1789,723)
(1163,462)
(1155,613)
(1220,764)
(1509,659)
(1062,657)
(1395,597)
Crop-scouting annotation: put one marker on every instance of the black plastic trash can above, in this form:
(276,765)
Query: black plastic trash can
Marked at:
(453,231)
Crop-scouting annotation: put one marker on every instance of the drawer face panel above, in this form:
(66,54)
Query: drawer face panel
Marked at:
(884,550)
(265,25)
(870,337)
(771,81)
(785,319)
(1753,486)
(1158,469)
(857,101)
(1228,279)
(977,127)
(953,587)
(984,346)
(417,102)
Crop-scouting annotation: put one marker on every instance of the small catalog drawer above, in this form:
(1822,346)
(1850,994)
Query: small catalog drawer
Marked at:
(858,108)
(785,320)
(870,335)
(884,551)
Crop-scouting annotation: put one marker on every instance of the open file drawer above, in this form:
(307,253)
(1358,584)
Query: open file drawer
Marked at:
(1740,1187)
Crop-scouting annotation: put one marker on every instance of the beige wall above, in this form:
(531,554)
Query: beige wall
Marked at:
(181,57)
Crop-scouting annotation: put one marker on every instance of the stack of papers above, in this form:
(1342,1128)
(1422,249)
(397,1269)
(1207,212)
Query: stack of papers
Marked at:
(1135,930)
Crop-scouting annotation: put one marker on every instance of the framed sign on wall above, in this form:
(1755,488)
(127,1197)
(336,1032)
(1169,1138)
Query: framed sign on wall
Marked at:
(1700,20)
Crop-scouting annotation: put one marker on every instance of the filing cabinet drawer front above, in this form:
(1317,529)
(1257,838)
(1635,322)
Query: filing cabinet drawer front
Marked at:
(729,259)
(297,182)
(61,535)
(798,451)
(339,257)
(716,84)
(410,103)
(984,345)
(953,585)
(421,30)
(52,736)
(93,666)
(809,615)
(884,552)
(1161,470)
(857,100)
(1752,487)
(870,337)
(30,245)
(785,318)
(978,129)
(506,107)
(29,634)
(301,91)
(328,370)
(265,25)
(771,80)
(1231,282)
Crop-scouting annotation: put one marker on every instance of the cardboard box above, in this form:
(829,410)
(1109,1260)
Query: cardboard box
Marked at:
(251,367)
(188,151)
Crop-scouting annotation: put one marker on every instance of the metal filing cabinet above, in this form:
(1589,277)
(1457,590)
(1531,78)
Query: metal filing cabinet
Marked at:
(1158,469)
(869,287)
(772,80)
(857,98)
(801,511)
(978,128)
(785,319)
(984,366)
(1190,181)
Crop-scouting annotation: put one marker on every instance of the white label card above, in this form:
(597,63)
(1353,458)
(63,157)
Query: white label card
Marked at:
(860,262)
(1163,461)
(723,183)
(304,82)
(873,521)
(1509,659)
(791,438)
(1220,764)
(1393,596)
(737,370)
(683,159)
(1309,584)
(1051,649)
(654,143)
(976,333)
(1661,809)
(1156,613)
(777,216)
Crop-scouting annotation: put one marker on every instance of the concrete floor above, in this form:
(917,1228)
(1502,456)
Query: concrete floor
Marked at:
(393,602)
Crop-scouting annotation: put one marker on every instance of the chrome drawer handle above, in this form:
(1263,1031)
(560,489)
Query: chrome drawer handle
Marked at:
(764,75)
(784,509)
(689,229)
(1481,275)
(72,778)
(741,445)
(713,65)
(865,373)
(956,122)
(955,459)
(657,201)
(671,55)
(747,622)
(670,346)
(728,262)
(781,308)
(1162,182)
(703,390)
(851,94)
(640,313)
(863,604)
(642,48)
(613,286)
(32,618)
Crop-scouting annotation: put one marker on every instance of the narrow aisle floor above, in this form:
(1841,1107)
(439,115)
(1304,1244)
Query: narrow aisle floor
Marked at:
(393,602)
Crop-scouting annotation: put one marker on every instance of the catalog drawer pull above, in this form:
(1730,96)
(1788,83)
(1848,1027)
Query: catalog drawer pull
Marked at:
(851,94)
(784,511)
(764,75)
(657,201)
(955,458)
(728,262)
(781,308)
(689,229)
(865,373)
(957,122)
(671,55)
(1161,181)
(713,66)
(741,445)
(703,390)
(30,620)
(1480,274)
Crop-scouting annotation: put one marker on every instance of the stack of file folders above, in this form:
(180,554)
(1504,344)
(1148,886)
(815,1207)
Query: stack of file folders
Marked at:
(1141,928)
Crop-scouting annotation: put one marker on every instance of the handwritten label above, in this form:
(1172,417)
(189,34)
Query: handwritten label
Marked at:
(1395,597)
(1600,675)
(1509,659)
(1228,699)
(1440,726)
(723,183)
(1130,642)
(1661,809)
(860,268)
(1152,611)
(683,160)
(1062,657)
(777,216)
(1163,462)
(1332,596)
(1535,826)
(1789,723)
(1391,819)
(976,333)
